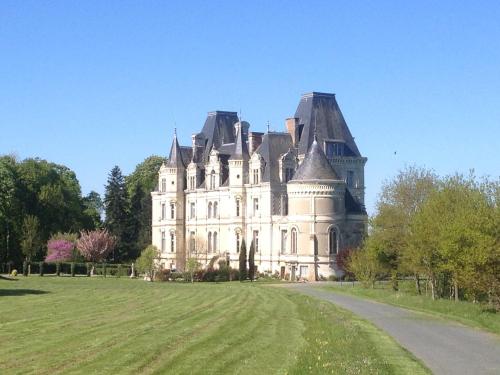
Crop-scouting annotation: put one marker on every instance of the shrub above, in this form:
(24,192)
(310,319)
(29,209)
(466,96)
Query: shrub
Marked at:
(174,276)
(25,268)
(104,269)
(162,275)
(89,268)
(40,268)
(72,269)
(119,270)
(14,273)
(58,269)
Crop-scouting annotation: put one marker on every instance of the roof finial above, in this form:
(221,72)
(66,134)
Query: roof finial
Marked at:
(268,126)
(175,130)
(240,117)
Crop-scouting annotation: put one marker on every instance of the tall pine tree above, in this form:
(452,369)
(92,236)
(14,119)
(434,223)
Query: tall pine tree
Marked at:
(251,262)
(117,214)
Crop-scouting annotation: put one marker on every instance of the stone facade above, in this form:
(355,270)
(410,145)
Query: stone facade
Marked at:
(297,196)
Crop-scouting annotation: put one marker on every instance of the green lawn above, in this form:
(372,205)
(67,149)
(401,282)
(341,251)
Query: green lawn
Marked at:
(473,315)
(84,325)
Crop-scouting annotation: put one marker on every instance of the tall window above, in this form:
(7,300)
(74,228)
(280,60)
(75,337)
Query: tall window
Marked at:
(209,214)
(238,203)
(238,242)
(255,206)
(284,234)
(163,211)
(172,242)
(163,241)
(172,210)
(215,242)
(193,210)
(294,241)
(350,178)
(216,206)
(256,240)
(163,184)
(192,182)
(209,242)
(288,174)
(255,176)
(192,242)
(332,241)
(334,149)
(212,180)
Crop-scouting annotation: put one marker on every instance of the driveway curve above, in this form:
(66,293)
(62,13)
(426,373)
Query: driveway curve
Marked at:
(444,347)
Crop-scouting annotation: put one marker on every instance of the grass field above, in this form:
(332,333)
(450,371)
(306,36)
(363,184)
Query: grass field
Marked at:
(473,315)
(84,325)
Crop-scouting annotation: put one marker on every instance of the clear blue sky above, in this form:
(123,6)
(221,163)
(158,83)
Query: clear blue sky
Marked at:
(93,84)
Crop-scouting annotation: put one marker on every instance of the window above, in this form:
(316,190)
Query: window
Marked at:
(288,174)
(350,178)
(238,242)
(192,242)
(284,234)
(332,241)
(255,206)
(193,210)
(256,176)
(256,240)
(163,241)
(300,128)
(284,205)
(238,203)
(334,149)
(172,210)
(192,182)
(163,211)
(294,241)
(209,242)
(163,184)
(212,180)
(172,242)
(215,242)
(209,213)
(216,205)
(303,271)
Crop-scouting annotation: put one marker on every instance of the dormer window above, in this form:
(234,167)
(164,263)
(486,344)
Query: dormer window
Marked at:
(255,176)
(333,149)
(288,174)
(163,184)
(212,180)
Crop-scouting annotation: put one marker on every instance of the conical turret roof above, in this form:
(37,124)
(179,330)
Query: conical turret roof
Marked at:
(315,166)
(240,151)
(175,157)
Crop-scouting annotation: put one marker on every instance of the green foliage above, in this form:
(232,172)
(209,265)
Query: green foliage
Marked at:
(192,265)
(148,262)
(72,269)
(365,265)
(30,242)
(40,268)
(243,261)
(251,262)
(58,269)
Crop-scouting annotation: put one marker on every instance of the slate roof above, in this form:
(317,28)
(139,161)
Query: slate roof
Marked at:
(315,166)
(352,206)
(274,144)
(218,130)
(240,150)
(175,159)
(322,109)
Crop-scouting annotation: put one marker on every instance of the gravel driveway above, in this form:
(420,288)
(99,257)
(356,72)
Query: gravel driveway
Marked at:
(445,347)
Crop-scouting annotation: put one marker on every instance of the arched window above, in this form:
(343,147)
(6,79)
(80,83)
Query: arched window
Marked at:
(209,214)
(294,241)
(163,211)
(238,242)
(238,203)
(332,241)
(172,210)
(212,180)
(216,205)
(209,242)
(172,242)
(215,242)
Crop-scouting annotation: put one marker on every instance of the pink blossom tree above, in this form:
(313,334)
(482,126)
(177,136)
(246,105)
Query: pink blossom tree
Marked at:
(59,250)
(95,245)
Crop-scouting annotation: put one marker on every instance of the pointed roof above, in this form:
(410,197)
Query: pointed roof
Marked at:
(175,157)
(240,151)
(321,111)
(315,166)
(273,146)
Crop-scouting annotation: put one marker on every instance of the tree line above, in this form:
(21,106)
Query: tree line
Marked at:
(41,200)
(445,231)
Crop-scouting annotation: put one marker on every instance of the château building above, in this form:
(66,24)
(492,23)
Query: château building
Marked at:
(297,195)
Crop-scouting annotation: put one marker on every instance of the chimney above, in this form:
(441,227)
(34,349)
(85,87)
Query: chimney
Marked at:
(254,141)
(291,126)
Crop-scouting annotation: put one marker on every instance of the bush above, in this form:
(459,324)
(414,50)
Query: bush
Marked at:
(104,270)
(40,268)
(162,275)
(25,268)
(119,270)
(72,269)
(14,273)
(89,268)
(58,269)
(174,276)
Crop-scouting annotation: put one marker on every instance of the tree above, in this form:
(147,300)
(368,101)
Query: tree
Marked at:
(117,213)
(251,262)
(95,245)
(365,265)
(8,203)
(30,242)
(93,209)
(148,262)
(59,250)
(192,265)
(243,261)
